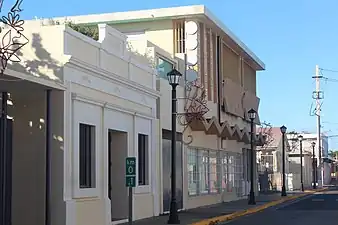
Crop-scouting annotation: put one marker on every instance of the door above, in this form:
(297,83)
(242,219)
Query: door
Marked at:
(166,165)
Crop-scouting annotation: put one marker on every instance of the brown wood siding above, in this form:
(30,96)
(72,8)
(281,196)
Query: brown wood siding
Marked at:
(242,72)
(179,36)
(175,37)
(201,55)
(208,63)
(214,66)
(205,61)
(239,72)
(230,64)
(249,78)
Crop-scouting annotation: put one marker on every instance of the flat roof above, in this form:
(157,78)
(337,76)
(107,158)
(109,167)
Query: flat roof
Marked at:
(162,13)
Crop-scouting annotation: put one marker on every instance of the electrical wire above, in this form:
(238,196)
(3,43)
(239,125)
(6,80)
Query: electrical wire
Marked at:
(328,70)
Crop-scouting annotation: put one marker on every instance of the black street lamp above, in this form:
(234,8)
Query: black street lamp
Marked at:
(174,77)
(300,138)
(252,116)
(283,130)
(314,165)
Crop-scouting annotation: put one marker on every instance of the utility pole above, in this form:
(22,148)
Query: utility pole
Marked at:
(318,95)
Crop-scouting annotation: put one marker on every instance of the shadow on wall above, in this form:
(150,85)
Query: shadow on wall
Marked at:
(43,65)
(29,145)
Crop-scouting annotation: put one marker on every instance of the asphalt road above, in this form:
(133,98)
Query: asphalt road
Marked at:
(319,208)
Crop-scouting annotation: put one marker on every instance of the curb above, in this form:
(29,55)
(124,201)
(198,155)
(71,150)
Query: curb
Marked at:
(216,220)
(316,190)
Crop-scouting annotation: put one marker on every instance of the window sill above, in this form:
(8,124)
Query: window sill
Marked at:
(143,189)
(204,194)
(86,193)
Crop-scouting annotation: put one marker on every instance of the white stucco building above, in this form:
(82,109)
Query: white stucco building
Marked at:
(214,166)
(320,155)
(80,107)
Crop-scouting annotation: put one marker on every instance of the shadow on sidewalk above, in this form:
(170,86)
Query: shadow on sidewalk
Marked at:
(206,212)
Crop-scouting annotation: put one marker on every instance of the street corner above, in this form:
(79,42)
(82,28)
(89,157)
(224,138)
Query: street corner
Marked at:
(228,217)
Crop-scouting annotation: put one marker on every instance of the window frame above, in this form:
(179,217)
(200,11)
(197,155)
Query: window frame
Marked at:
(145,171)
(83,175)
(144,126)
(90,114)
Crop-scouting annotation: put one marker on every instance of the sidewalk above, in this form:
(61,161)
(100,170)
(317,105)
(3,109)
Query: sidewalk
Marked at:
(194,215)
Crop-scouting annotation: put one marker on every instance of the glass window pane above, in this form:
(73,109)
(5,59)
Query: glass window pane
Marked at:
(87,155)
(143,165)
(225,170)
(192,172)
(239,174)
(213,172)
(204,170)
(163,67)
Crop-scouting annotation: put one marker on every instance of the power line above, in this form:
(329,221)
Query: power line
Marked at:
(328,70)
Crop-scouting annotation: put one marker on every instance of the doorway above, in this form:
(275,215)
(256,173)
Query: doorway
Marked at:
(117,190)
(166,166)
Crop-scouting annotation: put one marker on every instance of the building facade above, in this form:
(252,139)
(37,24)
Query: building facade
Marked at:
(270,161)
(321,155)
(213,150)
(80,107)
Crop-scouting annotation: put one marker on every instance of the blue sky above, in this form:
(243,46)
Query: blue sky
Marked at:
(290,36)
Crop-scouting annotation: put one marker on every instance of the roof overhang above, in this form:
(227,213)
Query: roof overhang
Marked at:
(199,11)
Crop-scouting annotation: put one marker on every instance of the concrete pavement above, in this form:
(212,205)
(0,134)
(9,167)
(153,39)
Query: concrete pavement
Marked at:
(319,208)
(201,215)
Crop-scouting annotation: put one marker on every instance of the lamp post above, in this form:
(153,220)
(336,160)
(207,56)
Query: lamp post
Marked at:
(174,77)
(314,166)
(283,130)
(300,138)
(252,116)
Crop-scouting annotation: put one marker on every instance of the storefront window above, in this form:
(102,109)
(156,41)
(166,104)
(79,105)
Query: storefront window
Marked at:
(204,171)
(193,172)
(212,171)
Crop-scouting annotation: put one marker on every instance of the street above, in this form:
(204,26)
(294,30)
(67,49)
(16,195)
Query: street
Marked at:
(319,208)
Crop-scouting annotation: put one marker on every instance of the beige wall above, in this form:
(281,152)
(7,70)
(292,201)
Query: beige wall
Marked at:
(43,56)
(28,158)
(158,32)
(113,89)
(105,75)
(58,205)
(29,152)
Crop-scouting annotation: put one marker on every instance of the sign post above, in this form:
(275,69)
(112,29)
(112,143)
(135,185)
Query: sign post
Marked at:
(130,183)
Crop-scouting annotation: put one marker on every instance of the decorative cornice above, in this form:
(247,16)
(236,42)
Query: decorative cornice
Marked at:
(211,126)
(101,73)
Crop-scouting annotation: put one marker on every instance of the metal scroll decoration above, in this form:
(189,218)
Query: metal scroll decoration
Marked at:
(12,37)
(195,107)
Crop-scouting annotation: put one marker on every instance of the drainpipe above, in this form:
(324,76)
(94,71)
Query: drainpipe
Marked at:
(48,160)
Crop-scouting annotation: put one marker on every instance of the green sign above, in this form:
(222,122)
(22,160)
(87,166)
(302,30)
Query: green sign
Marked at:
(130,171)
(131,166)
(131,181)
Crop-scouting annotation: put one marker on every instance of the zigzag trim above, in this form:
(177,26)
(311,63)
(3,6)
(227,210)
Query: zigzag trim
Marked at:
(213,127)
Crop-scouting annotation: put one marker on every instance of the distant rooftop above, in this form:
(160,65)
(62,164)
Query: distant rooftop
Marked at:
(162,13)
